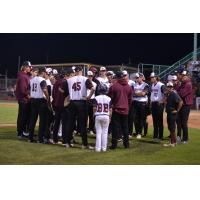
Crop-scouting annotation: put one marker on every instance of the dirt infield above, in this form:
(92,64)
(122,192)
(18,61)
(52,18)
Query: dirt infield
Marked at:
(194,120)
(7,105)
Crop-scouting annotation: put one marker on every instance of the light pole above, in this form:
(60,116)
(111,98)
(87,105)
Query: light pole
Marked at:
(18,68)
(195,47)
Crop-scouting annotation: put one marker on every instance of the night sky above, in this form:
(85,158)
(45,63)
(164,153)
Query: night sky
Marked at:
(102,49)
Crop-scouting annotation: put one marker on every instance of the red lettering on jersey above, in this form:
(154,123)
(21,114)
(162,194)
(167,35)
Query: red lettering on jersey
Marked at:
(34,87)
(104,106)
(76,86)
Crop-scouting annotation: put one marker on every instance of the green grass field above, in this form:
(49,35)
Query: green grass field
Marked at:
(144,151)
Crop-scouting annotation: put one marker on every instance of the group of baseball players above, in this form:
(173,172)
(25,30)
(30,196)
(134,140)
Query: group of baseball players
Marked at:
(104,101)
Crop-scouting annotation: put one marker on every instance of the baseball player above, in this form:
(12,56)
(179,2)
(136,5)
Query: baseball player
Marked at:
(157,106)
(77,88)
(140,100)
(173,105)
(131,117)
(34,72)
(23,97)
(186,93)
(90,103)
(110,75)
(102,77)
(58,103)
(130,82)
(95,78)
(66,111)
(102,112)
(39,102)
(50,117)
(121,94)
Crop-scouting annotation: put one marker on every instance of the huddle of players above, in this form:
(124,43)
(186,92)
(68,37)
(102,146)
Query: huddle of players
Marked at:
(176,97)
(113,103)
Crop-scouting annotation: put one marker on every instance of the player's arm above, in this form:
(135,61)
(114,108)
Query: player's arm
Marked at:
(163,89)
(179,101)
(130,95)
(43,86)
(61,90)
(89,86)
(144,92)
(64,88)
(29,90)
(164,92)
(110,92)
(110,111)
(94,106)
(180,104)
(66,101)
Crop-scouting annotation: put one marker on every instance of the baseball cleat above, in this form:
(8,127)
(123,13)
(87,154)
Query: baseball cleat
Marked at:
(169,145)
(91,133)
(138,136)
(26,134)
(178,139)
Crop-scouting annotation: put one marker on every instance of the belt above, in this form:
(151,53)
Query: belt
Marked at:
(140,102)
(101,115)
(79,100)
(157,102)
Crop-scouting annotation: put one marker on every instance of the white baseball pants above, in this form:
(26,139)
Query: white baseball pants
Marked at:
(101,125)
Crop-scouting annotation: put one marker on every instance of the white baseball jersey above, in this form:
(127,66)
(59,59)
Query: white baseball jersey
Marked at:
(77,87)
(156,93)
(131,82)
(102,121)
(35,87)
(103,105)
(104,81)
(88,90)
(140,88)
(48,82)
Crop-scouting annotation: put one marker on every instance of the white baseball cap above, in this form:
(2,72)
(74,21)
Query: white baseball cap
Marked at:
(184,72)
(125,72)
(102,69)
(152,75)
(90,73)
(54,71)
(137,75)
(110,73)
(48,70)
(26,63)
(73,68)
(174,78)
(169,84)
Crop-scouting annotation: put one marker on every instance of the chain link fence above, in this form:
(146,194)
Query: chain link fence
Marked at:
(7,88)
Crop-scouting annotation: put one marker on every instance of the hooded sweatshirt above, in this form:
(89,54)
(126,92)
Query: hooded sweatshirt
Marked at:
(22,87)
(185,92)
(121,95)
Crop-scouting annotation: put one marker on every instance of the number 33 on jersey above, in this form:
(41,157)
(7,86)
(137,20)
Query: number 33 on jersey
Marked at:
(103,104)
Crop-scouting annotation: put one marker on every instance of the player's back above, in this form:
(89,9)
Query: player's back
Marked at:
(35,87)
(77,87)
(103,103)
